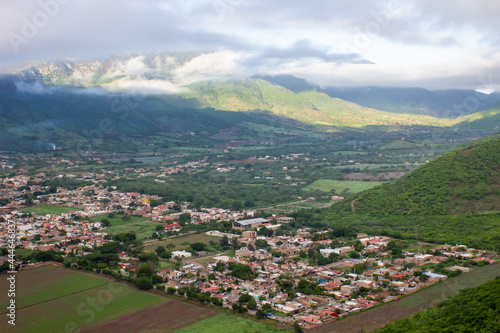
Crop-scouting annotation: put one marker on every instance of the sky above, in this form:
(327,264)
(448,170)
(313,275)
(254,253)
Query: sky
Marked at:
(417,43)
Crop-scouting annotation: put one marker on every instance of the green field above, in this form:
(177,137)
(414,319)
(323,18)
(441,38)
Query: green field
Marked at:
(143,229)
(183,242)
(338,186)
(230,324)
(49,209)
(53,299)
(117,219)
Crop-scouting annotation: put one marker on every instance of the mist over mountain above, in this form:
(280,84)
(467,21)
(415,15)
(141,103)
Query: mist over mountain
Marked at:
(172,94)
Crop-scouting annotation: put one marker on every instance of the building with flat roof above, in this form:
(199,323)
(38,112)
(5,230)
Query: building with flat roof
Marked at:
(248,224)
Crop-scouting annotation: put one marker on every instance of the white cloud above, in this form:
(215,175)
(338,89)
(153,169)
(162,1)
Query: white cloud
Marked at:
(144,87)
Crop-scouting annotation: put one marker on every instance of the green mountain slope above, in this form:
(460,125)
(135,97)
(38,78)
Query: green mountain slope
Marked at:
(309,106)
(488,119)
(466,180)
(473,310)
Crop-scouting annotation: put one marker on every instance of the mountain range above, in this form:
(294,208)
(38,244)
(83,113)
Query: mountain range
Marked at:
(163,94)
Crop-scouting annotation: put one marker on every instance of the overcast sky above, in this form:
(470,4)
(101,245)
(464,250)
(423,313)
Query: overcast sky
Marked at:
(426,43)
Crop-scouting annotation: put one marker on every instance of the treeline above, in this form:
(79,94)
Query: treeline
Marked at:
(473,310)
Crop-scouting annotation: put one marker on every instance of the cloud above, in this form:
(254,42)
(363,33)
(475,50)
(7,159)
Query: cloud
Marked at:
(233,38)
(144,87)
(222,64)
(303,49)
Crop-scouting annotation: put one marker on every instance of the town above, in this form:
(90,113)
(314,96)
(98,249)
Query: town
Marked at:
(267,266)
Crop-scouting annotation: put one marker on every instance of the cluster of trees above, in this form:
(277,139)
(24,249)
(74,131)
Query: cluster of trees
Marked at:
(473,310)
(194,293)
(241,271)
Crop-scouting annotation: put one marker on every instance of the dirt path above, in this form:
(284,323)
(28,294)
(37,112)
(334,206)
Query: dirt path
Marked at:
(376,318)
(352,205)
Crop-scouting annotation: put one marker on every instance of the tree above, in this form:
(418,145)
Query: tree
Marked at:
(252,304)
(145,270)
(160,249)
(198,246)
(244,298)
(143,283)
(234,243)
(261,244)
(224,241)
(266,307)
(264,231)
(220,266)
(260,314)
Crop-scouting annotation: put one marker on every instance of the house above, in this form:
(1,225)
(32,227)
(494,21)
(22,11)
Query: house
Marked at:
(180,254)
(248,224)
(284,219)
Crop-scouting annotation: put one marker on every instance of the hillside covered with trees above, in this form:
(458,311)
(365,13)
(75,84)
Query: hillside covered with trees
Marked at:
(464,181)
(473,310)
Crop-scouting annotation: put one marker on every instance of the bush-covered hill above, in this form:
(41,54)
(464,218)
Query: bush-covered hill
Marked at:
(466,180)
(473,310)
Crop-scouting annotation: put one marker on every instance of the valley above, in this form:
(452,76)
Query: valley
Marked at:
(348,207)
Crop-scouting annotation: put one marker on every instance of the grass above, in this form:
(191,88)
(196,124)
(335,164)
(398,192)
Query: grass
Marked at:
(166,264)
(230,323)
(143,230)
(338,186)
(182,242)
(49,209)
(116,220)
(53,299)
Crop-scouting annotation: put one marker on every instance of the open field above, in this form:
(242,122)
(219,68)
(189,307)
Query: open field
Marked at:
(166,316)
(328,185)
(229,324)
(142,229)
(49,209)
(117,219)
(371,320)
(182,242)
(53,299)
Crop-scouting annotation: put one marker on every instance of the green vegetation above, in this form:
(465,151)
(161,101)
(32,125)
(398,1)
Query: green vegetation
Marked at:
(230,324)
(467,180)
(77,299)
(339,186)
(142,229)
(116,219)
(311,106)
(473,310)
(49,209)
(483,120)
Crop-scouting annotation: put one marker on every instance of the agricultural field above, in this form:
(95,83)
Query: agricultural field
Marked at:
(53,299)
(143,229)
(338,186)
(376,318)
(49,209)
(182,242)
